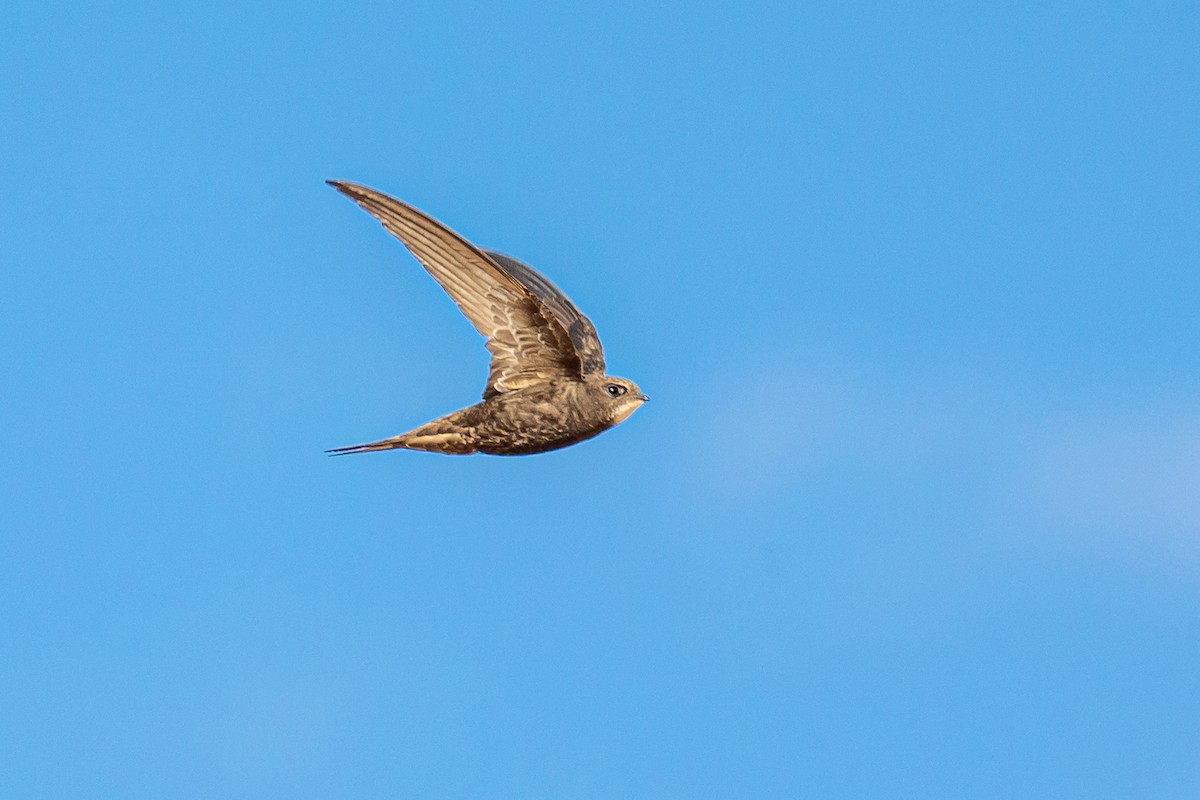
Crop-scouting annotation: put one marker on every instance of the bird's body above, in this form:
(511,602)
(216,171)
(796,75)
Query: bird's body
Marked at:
(525,421)
(547,387)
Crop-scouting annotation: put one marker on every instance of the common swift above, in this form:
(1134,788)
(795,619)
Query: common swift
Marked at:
(547,387)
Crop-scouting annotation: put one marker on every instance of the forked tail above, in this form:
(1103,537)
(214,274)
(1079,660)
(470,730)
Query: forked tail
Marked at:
(433,441)
(370,447)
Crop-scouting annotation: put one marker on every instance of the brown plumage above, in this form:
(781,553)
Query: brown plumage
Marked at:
(546,388)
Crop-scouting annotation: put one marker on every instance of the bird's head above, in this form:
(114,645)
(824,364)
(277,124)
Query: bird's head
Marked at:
(620,397)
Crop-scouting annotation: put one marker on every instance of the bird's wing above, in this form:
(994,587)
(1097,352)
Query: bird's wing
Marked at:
(578,327)
(528,343)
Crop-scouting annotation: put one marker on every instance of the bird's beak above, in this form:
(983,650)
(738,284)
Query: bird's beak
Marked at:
(644,398)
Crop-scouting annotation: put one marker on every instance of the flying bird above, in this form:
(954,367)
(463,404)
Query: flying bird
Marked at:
(546,388)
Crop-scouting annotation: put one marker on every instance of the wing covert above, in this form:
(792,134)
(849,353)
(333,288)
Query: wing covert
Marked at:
(578,327)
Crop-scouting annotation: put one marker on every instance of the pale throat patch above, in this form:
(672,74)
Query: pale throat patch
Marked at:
(627,408)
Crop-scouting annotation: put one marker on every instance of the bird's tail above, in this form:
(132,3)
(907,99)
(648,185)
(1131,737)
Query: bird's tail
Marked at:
(431,437)
(370,447)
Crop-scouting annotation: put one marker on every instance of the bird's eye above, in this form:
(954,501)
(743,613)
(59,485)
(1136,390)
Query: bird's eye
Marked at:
(615,390)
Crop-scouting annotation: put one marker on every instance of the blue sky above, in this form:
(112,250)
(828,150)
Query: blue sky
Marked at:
(914,512)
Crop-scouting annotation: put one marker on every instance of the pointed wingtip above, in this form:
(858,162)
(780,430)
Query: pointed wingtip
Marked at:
(347,187)
(355,191)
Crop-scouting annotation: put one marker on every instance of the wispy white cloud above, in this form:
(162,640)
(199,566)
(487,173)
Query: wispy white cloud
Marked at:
(781,426)
(1134,470)
(764,432)
(1124,463)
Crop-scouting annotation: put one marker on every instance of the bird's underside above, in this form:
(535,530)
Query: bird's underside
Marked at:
(523,422)
(546,386)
